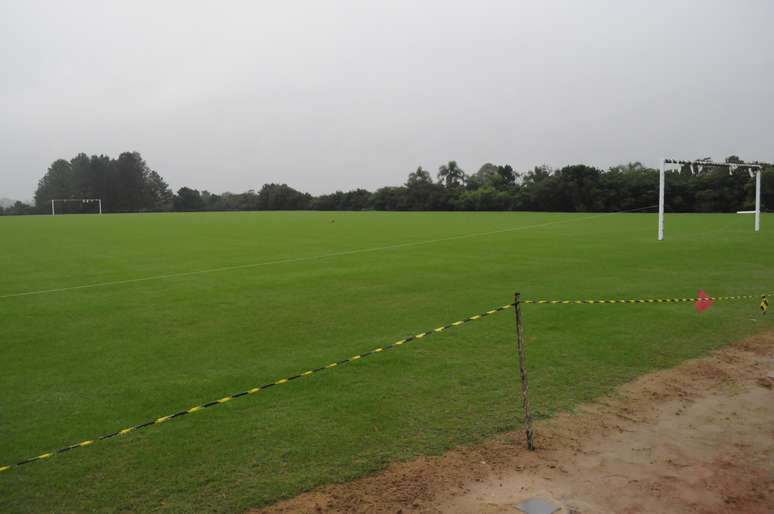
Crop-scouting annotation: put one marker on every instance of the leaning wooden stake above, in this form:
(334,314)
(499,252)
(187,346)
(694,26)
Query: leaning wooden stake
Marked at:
(523,371)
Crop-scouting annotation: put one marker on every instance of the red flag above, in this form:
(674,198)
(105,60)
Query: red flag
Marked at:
(703,302)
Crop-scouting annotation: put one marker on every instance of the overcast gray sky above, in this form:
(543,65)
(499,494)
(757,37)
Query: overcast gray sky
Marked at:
(324,95)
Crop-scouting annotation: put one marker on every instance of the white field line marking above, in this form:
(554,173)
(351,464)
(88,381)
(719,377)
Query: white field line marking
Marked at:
(301,259)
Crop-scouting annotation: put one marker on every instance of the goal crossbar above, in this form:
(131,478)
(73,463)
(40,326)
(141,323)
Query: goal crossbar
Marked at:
(79,200)
(756,168)
(713,164)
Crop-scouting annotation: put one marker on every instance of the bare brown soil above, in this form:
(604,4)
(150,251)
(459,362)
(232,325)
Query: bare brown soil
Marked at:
(696,438)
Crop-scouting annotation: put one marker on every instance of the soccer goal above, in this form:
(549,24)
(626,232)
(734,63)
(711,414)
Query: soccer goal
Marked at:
(696,166)
(86,205)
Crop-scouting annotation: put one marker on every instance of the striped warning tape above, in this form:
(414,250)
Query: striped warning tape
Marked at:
(644,300)
(254,390)
(396,344)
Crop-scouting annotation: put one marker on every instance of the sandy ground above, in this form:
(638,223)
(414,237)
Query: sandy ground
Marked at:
(696,438)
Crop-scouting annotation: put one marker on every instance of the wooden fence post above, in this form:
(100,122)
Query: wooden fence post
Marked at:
(520,343)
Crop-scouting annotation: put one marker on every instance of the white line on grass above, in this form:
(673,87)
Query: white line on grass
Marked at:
(301,259)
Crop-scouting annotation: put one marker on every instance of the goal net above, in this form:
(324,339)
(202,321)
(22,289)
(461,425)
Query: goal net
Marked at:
(76,206)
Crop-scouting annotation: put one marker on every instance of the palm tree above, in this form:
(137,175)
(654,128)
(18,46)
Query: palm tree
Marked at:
(451,174)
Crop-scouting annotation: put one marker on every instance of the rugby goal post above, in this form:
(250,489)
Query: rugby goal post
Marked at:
(98,201)
(754,169)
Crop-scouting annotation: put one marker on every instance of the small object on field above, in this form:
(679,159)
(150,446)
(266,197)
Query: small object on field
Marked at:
(538,506)
(764,304)
(703,302)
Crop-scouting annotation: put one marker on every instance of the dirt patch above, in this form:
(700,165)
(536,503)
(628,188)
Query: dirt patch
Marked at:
(696,438)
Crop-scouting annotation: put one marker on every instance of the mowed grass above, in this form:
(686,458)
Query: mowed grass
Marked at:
(78,363)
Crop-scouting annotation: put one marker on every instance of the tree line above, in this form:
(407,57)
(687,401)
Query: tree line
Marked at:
(127,184)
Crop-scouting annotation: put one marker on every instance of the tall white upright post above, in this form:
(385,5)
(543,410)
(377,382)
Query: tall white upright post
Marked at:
(100,205)
(758,201)
(52,208)
(661,201)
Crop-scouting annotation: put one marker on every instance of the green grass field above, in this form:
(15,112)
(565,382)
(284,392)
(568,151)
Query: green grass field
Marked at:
(294,291)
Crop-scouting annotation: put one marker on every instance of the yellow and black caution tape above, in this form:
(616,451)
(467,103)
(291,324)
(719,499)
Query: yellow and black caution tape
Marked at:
(254,390)
(396,344)
(643,300)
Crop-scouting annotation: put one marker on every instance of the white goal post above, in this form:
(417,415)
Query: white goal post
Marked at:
(98,201)
(754,168)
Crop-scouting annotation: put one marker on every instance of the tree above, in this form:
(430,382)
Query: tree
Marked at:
(579,188)
(211,201)
(282,197)
(451,175)
(485,198)
(56,183)
(538,174)
(130,176)
(500,178)
(421,194)
(537,191)
(628,186)
(419,178)
(188,199)
(507,177)
(19,208)
(630,167)
(158,196)
(390,199)
(123,184)
(483,177)
(101,175)
(767,189)
(357,200)
(329,202)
